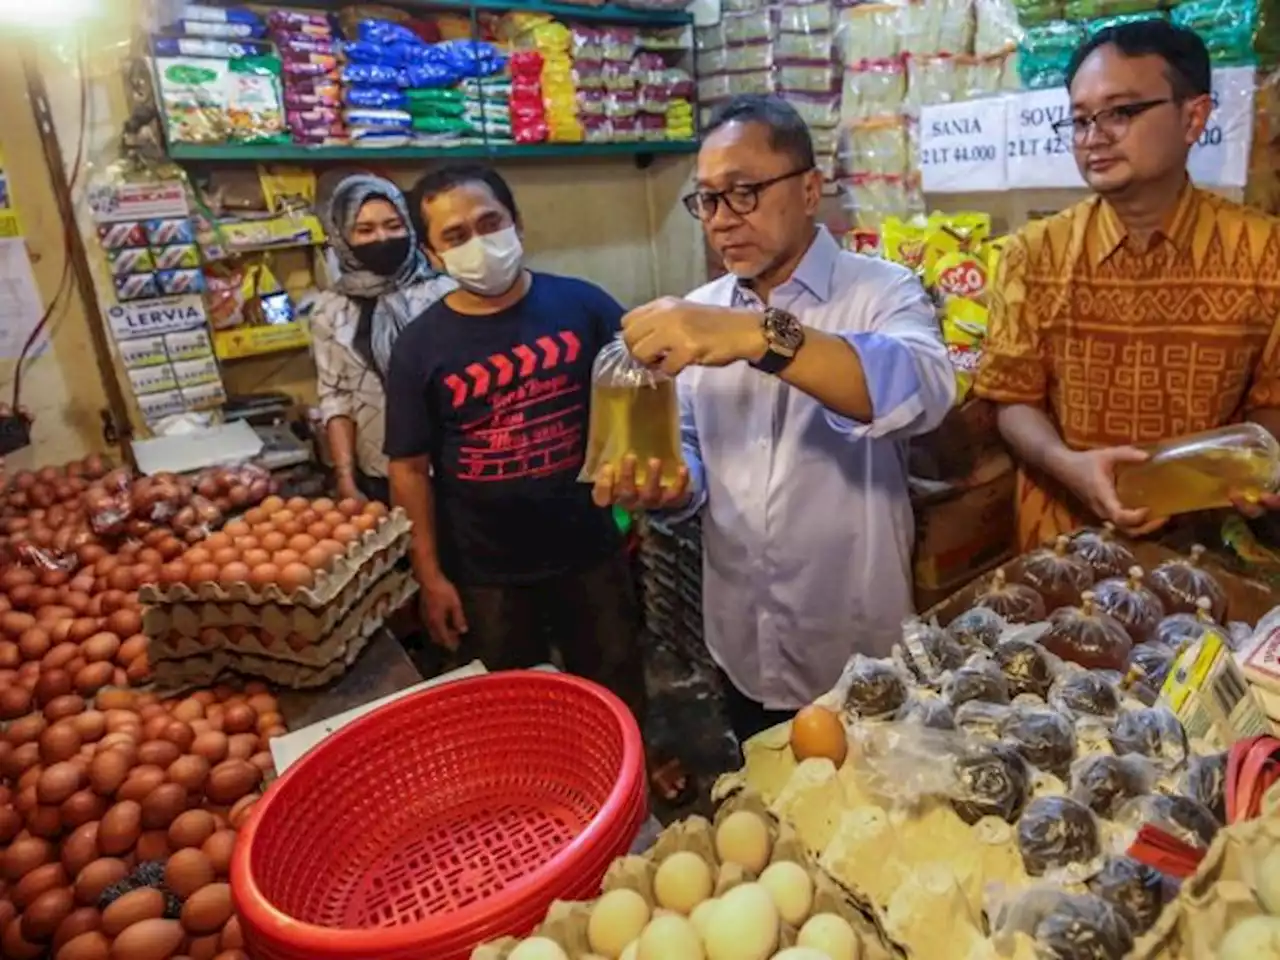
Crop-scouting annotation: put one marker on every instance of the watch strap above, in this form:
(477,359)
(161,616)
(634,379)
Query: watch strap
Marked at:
(773,362)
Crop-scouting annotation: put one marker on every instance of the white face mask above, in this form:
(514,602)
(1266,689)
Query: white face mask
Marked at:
(487,264)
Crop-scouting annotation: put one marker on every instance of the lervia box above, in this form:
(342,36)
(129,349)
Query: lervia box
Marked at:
(394,527)
(566,922)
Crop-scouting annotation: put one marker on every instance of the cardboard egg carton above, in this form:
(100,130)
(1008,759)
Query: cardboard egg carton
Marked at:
(392,533)
(566,922)
(280,620)
(314,650)
(177,676)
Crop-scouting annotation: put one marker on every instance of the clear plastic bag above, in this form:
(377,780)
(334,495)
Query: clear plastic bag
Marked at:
(1105,783)
(1152,732)
(1181,583)
(1205,782)
(980,720)
(977,628)
(1152,661)
(1027,667)
(1045,738)
(232,488)
(906,763)
(991,780)
(871,689)
(634,411)
(870,31)
(1130,602)
(1134,889)
(931,712)
(1179,629)
(1014,602)
(1188,820)
(926,651)
(1080,692)
(1059,837)
(1057,575)
(1063,926)
(980,680)
(1088,636)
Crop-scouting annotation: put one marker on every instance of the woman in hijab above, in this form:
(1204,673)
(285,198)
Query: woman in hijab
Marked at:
(385,283)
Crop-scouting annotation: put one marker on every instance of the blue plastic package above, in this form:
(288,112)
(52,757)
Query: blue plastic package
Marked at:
(384,32)
(420,75)
(380,136)
(471,58)
(362,51)
(378,119)
(222,31)
(383,98)
(376,74)
(198,11)
(217,49)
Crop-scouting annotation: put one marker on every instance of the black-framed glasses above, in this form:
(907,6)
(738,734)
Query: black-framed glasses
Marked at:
(742,199)
(1111,123)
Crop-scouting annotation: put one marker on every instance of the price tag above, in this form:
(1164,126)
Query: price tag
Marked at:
(1221,157)
(962,146)
(1038,157)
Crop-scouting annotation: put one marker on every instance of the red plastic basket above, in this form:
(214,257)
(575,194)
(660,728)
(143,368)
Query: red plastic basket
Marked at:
(443,819)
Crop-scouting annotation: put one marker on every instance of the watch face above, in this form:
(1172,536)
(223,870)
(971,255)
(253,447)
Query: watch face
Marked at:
(783,331)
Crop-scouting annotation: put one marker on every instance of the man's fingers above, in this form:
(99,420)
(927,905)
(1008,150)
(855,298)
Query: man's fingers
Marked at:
(1151,526)
(625,492)
(676,492)
(1127,455)
(651,494)
(458,617)
(602,491)
(1130,519)
(1251,507)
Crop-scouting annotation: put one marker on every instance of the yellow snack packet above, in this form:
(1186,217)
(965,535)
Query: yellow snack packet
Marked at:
(964,328)
(903,241)
(952,233)
(959,274)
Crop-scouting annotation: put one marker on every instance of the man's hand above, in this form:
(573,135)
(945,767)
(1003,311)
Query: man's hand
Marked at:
(347,486)
(1255,505)
(1091,476)
(442,611)
(672,334)
(619,486)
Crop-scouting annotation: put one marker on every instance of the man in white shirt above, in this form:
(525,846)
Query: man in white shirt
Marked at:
(802,374)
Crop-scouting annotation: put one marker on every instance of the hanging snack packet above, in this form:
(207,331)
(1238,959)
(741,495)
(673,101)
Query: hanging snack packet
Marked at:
(634,411)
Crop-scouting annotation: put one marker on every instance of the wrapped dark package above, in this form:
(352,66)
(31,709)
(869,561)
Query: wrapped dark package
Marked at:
(1056,833)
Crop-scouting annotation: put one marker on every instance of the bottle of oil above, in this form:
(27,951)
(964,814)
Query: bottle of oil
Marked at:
(1202,471)
(634,410)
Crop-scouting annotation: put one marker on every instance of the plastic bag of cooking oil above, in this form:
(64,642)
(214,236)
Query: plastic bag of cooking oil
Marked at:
(634,411)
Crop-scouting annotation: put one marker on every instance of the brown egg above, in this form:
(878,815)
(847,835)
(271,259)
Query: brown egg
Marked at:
(14,946)
(124,623)
(92,677)
(241,746)
(345,533)
(80,849)
(159,753)
(282,558)
(78,922)
(191,829)
(190,772)
(145,903)
(83,806)
(239,813)
(255,556)
(92,945)
(105,645)
(202,573)
(263,575)
(148,940)
(58,782)
(239,718)
(208,909)
(233,573)
(61,741)
(273,541)
(40,920)
(142,780)
(237,529)
(119,828)
(301,543)
(51,685)
(296,576)
(376,509)
(26,729)
(364,523)
(211,745)
(226,555)
(350,506)
(162,805)
(34,643)
(204,948)
(24,855)
(107,771)
(187,871)
(67,705)
(319,530)
(115,700)
(153,846)
(97,876)
(37,882)
(218,849)
(15,701)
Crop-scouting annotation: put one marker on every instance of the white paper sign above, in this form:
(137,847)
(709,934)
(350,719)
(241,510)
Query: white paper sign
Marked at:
(1038,158)
(962,146)
(1221,158)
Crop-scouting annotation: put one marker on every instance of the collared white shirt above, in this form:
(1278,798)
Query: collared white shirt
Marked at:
(806,521)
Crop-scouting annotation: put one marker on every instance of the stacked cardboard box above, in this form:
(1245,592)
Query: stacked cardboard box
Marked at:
(671,582)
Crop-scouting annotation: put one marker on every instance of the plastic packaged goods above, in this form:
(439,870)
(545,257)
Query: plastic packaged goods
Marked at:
(1178,629)
(1038,11)
(869,31)
(1152,732)
(1096,26)
(1063,925)
(1045,738)
(1153,660)
(978,627)
(806,18)
(806,78)
(877,145)
(633,411)
(754,27)
(1205,782)
(871,689)
(206,100)
(934,78)
(980,681)
(1131,602)
(1084,693)
(1101,551)
(996,27)
(1184,818)
(1056,574)
(1202,471)
(736,59)
(804,47)
(1027,666)
(930,712)
(992,780)
(1088,636)
(1059,836)
(1226,26)
(1046,51)
(927,651)
(1181,583)
(1134,889)
(1013,601)
(1105,783)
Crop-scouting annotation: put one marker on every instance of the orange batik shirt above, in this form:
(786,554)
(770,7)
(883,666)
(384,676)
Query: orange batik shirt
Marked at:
(1126,346)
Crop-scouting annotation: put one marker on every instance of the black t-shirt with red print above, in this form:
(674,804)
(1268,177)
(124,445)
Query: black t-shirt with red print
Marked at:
(499,403)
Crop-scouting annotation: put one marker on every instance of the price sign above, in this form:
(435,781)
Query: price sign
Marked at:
(1221,157)
(1038,157)
(962,146)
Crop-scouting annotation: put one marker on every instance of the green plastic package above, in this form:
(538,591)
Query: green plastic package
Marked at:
(1102,23)
(1038,11)
(1226,26)
(1096,9)
(1046,51)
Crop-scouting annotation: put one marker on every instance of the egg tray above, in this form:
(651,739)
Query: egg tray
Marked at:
(192,619)
(1218,896)
(566,922)
(393,533)
(386,595)
(193,673)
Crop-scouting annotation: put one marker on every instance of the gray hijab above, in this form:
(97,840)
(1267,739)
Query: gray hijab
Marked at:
(394,308)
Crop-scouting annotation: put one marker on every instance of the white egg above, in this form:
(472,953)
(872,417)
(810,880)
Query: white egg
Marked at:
(800,953)
(830,935)
(1251,939)
(743,838)
(1268,882)
(631,950)
(744,925)
(616,920)
(701,916)
(682,882)
(791,888)
(669,938)
(537,948)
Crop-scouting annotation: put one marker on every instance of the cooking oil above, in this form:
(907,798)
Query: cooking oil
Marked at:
(641,420)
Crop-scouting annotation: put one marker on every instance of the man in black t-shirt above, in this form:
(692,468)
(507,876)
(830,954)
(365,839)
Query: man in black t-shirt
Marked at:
(487,411)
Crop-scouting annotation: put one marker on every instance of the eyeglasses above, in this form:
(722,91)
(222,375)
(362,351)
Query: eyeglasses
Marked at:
(742,199)
(1111,123)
